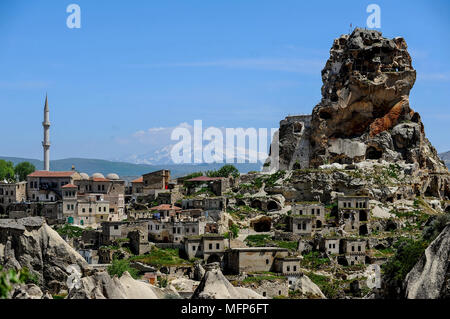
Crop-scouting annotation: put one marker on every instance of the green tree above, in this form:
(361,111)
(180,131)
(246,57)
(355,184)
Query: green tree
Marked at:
(119,266)
(6,170)
(225,171)
(23,170)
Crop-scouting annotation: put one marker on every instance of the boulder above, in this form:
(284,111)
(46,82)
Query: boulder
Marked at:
(307,288)
(29,242)
(101,286)
(214,285)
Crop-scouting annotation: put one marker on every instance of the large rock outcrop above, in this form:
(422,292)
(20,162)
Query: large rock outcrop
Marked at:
(214,285)
(430,277)
(31,243)
(102,286)
(365,112)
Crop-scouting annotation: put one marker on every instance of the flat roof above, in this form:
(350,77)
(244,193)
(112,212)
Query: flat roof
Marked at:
(51,174)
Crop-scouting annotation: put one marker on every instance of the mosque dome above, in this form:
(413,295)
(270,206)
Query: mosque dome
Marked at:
(112,176)
(98,175)
(84,176)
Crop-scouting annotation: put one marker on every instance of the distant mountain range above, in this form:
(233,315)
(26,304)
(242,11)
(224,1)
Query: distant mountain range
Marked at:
(446,158)
(124,169)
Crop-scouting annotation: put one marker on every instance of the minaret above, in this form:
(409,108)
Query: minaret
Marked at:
(46,142)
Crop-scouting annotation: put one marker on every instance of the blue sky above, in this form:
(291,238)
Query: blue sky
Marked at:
(150,65)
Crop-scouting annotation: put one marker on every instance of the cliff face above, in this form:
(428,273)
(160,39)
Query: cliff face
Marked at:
(365,112)
(430,277)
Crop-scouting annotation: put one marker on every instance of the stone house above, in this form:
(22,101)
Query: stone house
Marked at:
(156,180)
(84,209)
(209,247)
(136,231)
(253,259)
(289,265)
(47,185)
(12,193)
(192,203)
(314,209)
(214,203)
(269,288)
(354,213)
(175,230)
(354,250)
(301,224)
(329,245)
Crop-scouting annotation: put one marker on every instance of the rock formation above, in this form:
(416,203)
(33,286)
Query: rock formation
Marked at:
(31,243)
(365,112)
(214,285)
(430,277)
(307,288)
(101,286)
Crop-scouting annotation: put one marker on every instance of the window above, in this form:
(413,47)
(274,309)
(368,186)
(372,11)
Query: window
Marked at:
(193,247)
(301,212)
(295,268)
(288,268)
(267,261)
(312,211)
(345,204)
(83,210)
(151,227)
(99,209)
(299,226)
(116,226)
(359,248)
(353,248)
(210,246)
(264,293)
(68,207)
(217,246)
(304,226)
(90,210)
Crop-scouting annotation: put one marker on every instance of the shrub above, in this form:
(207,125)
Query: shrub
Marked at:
(438,224)
(408,253)
(118,267)
(70,231)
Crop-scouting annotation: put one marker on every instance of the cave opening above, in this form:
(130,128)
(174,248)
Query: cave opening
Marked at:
(373,153)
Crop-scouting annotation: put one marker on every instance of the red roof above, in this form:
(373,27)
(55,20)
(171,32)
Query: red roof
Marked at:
(138,180)
(51,174)
(70,186)
(165,207)
(203,179)
(100,179)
